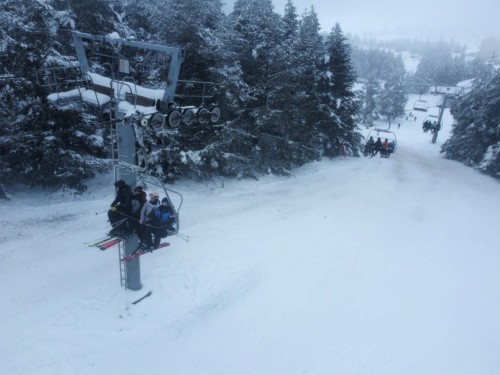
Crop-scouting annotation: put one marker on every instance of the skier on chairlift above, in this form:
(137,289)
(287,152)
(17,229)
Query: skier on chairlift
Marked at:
(377,146)
(369,147)
(391,148)
(120,209)
(141,195)
(138,201)
(155,226)
(385,146)
(146,211)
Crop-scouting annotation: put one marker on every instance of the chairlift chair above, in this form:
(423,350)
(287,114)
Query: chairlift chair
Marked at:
(383,133)
(431,119)
(144,179)
(421,105)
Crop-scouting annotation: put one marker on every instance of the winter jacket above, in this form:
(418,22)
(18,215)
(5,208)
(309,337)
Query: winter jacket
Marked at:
(162,217)
(123,200)
(147,209)
(385,145)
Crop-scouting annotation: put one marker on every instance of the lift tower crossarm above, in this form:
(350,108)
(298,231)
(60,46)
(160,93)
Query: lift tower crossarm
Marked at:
(175,63)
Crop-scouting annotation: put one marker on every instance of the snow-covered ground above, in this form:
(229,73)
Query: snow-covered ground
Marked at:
(411,61)
(352,266)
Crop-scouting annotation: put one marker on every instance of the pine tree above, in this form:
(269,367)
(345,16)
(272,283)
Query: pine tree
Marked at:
(41,145)
(392,98)
(290,20)
(475,139)
(54,147)
(340,99)
(369,111)
(260,31)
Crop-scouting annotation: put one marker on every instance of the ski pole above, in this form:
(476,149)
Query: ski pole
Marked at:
(98,213)
(182,237)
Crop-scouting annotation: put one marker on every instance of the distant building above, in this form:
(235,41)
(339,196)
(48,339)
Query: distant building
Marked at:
(489,50)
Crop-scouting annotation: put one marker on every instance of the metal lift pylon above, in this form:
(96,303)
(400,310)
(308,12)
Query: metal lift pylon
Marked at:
(124,155)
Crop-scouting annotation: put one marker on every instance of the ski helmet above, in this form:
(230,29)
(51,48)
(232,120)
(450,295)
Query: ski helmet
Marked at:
(120,183)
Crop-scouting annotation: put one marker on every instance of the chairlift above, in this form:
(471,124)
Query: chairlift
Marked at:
(421,105)
(145,180)
(431,118)
(430,123)
(384,133)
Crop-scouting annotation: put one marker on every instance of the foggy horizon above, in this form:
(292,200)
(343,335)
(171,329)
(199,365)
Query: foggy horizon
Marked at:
(396,19)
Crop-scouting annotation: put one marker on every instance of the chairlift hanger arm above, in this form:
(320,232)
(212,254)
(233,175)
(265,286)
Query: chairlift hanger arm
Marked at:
(130,43)
(175,63)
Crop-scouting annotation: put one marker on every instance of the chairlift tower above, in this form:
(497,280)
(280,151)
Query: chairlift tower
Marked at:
(125,158)
(131,108)
(449,92)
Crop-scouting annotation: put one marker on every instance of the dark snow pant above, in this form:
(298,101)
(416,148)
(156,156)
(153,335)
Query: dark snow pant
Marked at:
(368,150)
(114,219)
(151,236)
(134,225)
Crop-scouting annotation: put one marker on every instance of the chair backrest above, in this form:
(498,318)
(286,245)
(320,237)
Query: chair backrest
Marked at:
(103,90)
(139,100)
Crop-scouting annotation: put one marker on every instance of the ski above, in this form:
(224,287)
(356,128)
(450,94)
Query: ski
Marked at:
(140,299)
(101,241)
(109,244)
(139,253)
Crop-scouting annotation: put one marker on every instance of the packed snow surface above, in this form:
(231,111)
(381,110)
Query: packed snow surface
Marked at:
(351,266)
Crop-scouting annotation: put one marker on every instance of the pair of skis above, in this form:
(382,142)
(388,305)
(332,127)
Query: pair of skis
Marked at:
(106,243)
(142,252)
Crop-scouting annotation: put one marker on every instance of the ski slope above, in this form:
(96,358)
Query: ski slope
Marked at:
(351,266)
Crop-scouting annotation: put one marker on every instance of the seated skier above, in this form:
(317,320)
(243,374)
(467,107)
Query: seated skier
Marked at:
(369,147)
(391,148)
(138,201)
(156,226)
(385,146)
(120,209)
(144,218)
(377,146)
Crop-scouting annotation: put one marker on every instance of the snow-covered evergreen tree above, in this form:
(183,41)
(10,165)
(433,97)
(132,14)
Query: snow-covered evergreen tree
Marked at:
(259,33)
(475,139)
(40,144)
(369,112)
(290,20)
(341,98)
(392,99)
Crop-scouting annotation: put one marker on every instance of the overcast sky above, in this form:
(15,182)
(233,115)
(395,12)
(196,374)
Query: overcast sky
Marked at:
(427,18)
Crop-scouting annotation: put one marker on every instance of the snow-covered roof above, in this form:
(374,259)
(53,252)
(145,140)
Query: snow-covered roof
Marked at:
(102,96)
(466,84)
